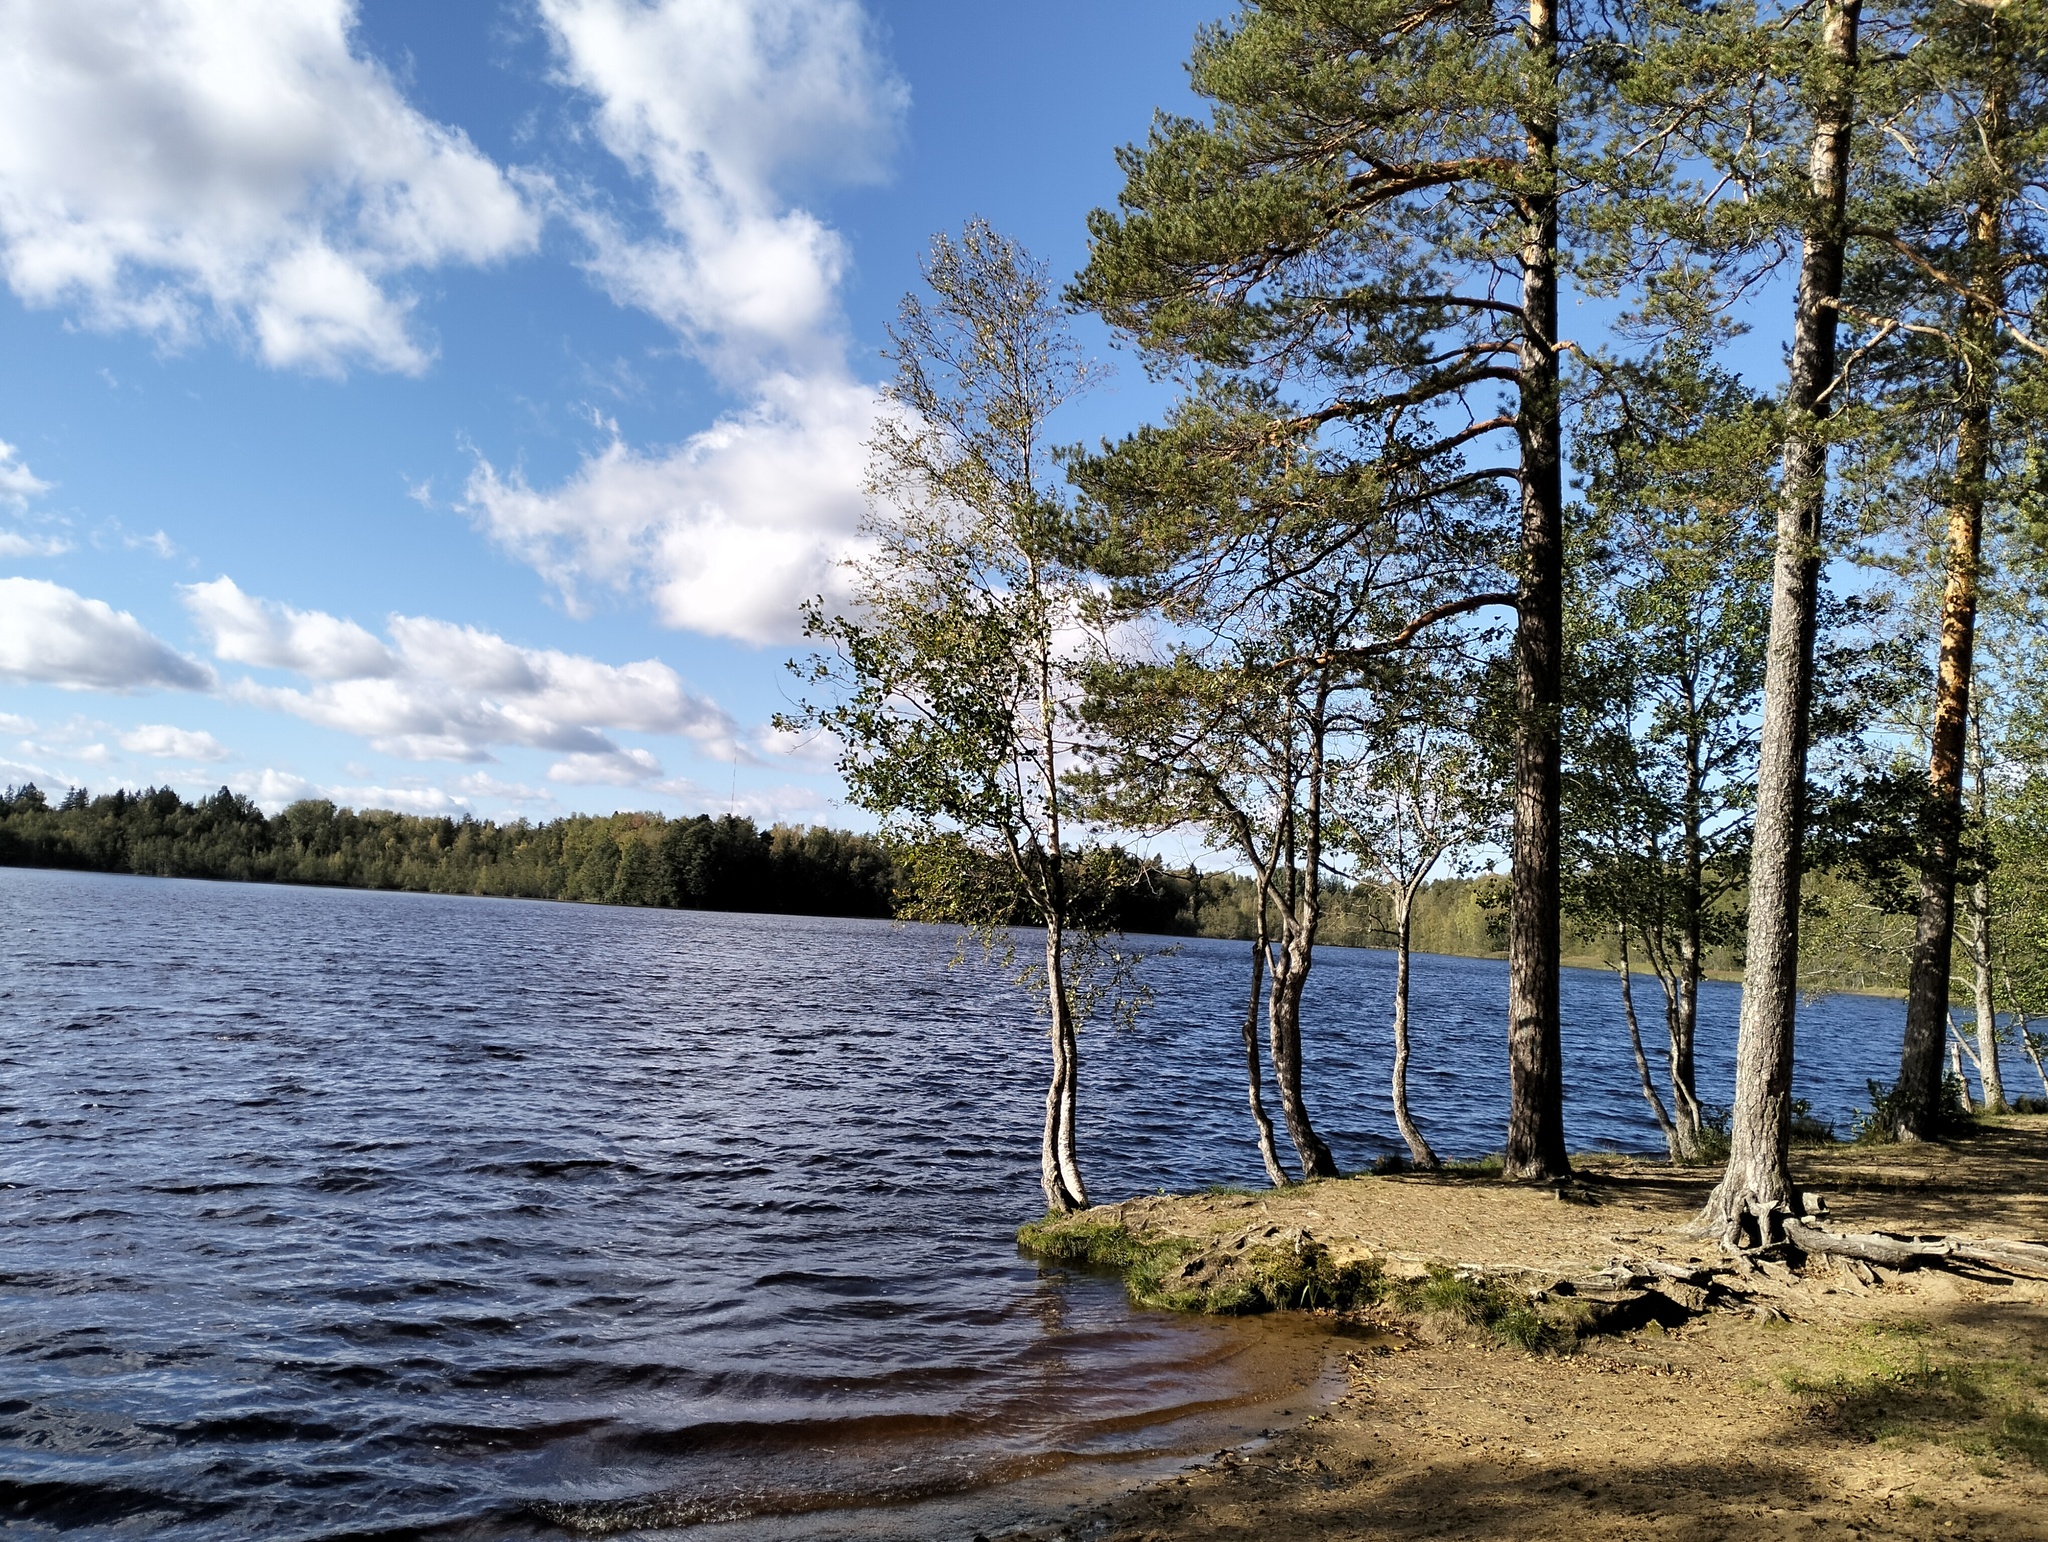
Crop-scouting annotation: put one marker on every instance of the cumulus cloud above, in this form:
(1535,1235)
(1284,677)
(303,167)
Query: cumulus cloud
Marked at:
(246,630)
(620,768)
(719,106)
(175,165)
(438,691)
(165,742)
(272,789)
(727,534)
(50,635)
(18,484)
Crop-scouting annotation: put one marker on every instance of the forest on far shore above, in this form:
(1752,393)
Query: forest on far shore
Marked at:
(725,863)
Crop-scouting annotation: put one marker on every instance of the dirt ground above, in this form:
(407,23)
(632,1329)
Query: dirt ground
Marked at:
(1911,1405)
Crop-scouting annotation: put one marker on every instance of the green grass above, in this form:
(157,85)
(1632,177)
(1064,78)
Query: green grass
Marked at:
(1498,1309)
(1180,1274)
(1257,1278)
(1898,1380)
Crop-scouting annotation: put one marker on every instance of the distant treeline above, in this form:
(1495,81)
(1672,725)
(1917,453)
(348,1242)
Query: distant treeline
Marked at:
(623,859)
(717,864)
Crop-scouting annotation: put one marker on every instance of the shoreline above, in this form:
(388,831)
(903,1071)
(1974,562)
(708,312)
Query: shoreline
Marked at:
(1776,1401)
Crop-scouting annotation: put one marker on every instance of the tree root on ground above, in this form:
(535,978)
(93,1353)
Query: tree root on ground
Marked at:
(1939,1252)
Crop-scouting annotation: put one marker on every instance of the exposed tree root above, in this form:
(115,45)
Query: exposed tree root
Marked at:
(1897,1252)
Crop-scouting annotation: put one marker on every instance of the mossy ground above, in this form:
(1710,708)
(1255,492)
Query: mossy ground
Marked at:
(1240,1277)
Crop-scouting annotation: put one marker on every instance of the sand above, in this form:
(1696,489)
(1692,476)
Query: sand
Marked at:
(1816,1403)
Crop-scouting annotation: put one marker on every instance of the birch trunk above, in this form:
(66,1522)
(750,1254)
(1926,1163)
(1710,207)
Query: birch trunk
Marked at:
(1980,946)
(1756,1190)
(1635,1040)
(1418,1147)
(1268,1153)
(1058,1171)
(1535,1138)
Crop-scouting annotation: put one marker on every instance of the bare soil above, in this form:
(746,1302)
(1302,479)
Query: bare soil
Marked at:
(1892,1405)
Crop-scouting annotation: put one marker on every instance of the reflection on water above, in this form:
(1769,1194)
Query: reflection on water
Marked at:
(332,1213)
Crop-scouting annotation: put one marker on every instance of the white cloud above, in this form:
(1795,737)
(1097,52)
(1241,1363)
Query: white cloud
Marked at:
(765,806)
(52,636)
(619,768)
(719,106)
(14,544)
(176,165)
(272,789)
(438,691)
(727,534)
(18,484)
(246,630)
(168,743)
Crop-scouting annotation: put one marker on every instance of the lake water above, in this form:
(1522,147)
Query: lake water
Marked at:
(333,1214)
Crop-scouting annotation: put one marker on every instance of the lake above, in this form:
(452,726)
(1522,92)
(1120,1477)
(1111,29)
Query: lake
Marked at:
(337,1214)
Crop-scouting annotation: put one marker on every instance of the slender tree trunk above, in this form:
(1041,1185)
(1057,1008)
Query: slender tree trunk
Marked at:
(1757,1189)
(1268,1154)
(1927,992)
(1980,944)
(1685,1016)
(1635,1040)
(2019,1028)
(1535,1141)
(1955,1067)
(1300,918)
(1418,1147)
(1058,1170)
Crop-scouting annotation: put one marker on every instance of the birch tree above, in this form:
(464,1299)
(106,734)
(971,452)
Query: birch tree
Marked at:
(951,689)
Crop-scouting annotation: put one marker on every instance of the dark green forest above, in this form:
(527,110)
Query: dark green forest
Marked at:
(700,863)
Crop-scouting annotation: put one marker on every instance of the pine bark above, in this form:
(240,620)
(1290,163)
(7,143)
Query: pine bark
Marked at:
(1756,1190)
(1535,1138)
(1927,992)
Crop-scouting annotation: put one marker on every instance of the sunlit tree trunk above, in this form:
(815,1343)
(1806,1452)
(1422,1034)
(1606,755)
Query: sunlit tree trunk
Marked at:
(1980,950)
(1535,1139)
(1757,1189)
(1404,910)
(1059,1172)
(1268,1152)
(1927,993)
(1301,914)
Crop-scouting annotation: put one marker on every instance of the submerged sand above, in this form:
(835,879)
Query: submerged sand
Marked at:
(1815,1401)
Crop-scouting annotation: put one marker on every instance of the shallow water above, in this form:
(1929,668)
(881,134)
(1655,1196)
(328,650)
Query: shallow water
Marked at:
(340,1214)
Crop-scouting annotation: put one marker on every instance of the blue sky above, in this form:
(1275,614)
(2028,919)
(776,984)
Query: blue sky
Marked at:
(442,407)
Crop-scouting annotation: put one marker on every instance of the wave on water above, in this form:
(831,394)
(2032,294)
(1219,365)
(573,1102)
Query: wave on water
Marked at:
(335,1213)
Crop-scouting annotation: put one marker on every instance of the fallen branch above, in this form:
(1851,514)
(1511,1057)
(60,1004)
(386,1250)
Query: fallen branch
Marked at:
(1895,1252)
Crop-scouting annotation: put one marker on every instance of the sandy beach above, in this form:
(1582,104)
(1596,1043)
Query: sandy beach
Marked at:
(1800,1399)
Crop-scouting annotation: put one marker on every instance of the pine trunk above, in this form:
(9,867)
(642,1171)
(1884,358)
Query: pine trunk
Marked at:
(1927,993)
(1756,1190)
(1418,1147)
(1535,1140)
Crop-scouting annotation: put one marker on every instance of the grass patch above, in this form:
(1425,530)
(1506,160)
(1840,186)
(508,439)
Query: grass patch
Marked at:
(1495,1308)
(1183,1275)
(1897,1380)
